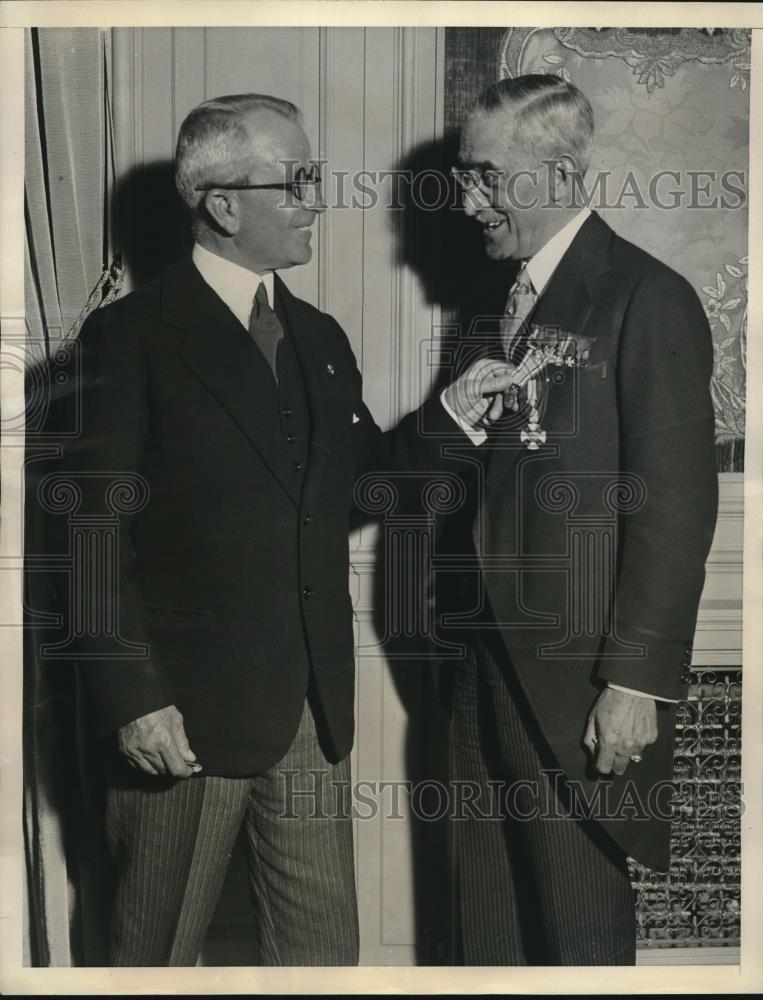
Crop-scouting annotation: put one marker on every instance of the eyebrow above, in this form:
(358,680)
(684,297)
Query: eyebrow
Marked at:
(483,165)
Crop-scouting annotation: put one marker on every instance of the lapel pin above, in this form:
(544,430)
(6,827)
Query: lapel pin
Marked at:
(330,369)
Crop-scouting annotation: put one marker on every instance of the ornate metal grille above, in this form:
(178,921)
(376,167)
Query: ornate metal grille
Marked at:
(696,904)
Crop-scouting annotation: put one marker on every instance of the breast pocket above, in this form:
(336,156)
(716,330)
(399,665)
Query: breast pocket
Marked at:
(564,381)
(593,375)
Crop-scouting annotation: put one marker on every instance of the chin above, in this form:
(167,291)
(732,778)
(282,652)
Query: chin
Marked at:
(303,257)
(503,248)
(496,252)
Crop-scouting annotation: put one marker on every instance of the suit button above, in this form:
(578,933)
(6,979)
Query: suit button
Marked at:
(307,520)
(291,438)
(297,466)
(307,592)
(286,411)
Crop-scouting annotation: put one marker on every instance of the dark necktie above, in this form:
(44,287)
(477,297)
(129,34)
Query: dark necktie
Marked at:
(265,328)
(519,305)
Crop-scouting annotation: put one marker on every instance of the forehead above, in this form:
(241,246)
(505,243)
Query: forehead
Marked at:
(486,138)
(274,138)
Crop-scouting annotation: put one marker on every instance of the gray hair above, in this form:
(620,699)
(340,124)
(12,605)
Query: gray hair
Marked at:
(212,138)
(551,117)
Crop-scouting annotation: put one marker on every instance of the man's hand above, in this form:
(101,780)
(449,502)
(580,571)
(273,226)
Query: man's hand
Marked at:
(619,725)
(156,744)
(476,397)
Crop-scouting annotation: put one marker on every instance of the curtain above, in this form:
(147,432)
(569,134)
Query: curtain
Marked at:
(68,272)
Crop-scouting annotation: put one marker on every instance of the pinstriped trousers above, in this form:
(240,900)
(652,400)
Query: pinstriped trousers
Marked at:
(172,839)
(531,886)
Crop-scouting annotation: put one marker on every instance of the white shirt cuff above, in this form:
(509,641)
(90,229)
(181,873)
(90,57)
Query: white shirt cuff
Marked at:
(641,694)
(475,434)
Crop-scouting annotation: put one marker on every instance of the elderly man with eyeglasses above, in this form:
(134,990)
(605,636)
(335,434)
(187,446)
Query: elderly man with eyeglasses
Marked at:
(225,689)
(592,522)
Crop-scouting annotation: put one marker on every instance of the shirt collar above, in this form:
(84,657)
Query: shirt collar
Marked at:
(542,265)
(236,285)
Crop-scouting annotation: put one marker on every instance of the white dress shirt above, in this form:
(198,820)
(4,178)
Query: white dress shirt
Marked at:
(541,266)
(236,285)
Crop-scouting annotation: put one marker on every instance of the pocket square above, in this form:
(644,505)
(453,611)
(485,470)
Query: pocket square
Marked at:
(355,418)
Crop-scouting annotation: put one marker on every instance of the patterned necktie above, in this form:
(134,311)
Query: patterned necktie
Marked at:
(265,328)
(519,305)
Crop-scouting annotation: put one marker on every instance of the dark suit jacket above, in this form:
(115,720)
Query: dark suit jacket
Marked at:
(593,547)
(230,573)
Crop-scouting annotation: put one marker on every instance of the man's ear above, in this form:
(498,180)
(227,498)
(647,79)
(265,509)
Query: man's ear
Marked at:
(222,207)
(564,178)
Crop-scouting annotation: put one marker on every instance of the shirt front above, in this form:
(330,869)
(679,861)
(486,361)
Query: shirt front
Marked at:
(541,266)
(236,285)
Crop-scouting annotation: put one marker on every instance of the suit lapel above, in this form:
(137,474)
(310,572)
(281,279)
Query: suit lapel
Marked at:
(224,358)
(566,304)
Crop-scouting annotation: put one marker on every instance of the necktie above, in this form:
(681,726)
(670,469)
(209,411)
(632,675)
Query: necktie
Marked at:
(519,305)
(265,328)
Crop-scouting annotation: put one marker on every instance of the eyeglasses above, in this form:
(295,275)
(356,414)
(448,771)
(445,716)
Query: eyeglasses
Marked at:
(470,180)
(305,179)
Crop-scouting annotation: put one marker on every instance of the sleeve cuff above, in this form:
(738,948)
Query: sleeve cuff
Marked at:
(642,694)
(661,668)
(476,435)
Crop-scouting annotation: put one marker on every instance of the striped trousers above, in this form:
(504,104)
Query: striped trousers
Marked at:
(530,886)
(172,839)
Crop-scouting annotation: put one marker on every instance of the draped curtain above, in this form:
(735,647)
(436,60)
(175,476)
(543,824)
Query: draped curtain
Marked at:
(67,273)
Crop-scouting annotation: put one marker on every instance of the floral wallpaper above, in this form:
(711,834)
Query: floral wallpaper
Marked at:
(670,162)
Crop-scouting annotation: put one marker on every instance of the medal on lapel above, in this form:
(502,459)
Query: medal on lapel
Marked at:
(545,346)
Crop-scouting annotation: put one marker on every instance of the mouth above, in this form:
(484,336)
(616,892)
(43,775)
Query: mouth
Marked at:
(491,225)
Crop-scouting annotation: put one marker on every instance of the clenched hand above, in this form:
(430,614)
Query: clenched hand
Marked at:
(156,744)
(477,395)
(620,724)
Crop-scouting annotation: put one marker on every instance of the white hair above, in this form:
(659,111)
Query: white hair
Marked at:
(552,118)
(212,138)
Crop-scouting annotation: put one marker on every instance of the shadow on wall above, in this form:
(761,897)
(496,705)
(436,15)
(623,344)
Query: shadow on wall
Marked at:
(441,244)
(153,224)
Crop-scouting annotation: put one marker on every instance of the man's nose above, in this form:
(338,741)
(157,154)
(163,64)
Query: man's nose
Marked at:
(474,201)
(315,201)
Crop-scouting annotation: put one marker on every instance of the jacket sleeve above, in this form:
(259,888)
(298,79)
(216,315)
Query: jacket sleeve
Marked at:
(667,447)
(103,610)
(427,441)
